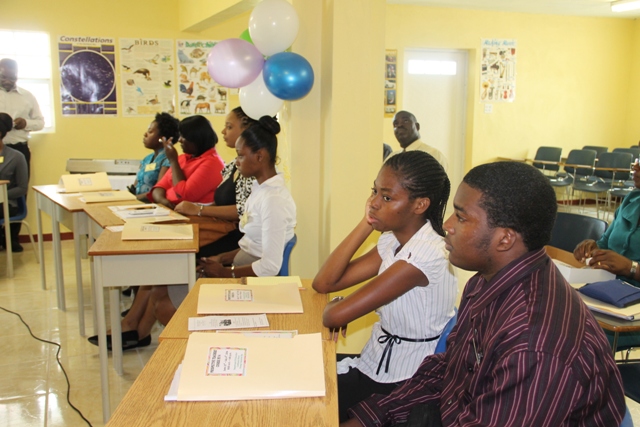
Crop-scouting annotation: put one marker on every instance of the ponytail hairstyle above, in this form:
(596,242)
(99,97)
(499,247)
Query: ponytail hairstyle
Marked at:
(422,176)
(263,135)
(245,121)
(6,124)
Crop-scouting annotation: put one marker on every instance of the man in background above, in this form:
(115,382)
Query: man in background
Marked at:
(406,129)
(22,106)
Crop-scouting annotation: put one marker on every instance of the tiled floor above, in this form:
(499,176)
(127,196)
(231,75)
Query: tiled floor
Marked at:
(33,388)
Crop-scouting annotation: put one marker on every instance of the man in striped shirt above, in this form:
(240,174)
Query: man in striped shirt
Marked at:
(525,351)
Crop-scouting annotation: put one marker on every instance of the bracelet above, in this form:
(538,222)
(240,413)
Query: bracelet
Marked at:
(233,273)
(634,269)
(338,298)
(200,211)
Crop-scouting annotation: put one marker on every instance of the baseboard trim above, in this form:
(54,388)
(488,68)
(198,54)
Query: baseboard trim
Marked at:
(24,238)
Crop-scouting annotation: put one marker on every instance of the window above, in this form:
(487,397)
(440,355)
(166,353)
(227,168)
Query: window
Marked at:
(434,68)
(32,50)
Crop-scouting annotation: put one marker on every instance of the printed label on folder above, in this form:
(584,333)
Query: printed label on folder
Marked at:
(85,182)
(150,229)
(226,361)
(238,295)
(103,194)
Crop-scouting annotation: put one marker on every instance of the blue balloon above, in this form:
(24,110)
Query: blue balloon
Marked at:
(288,76)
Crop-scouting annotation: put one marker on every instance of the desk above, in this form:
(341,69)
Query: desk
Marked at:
(4,199)
(133,263)
(308,322)
(144,405)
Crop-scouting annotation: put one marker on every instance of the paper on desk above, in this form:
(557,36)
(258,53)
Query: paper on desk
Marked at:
(81,182)
(211,323)
(226,366)
(132,231)
(264,334)
(106,196)
(115,228)
(274,280)
(231,298)
(139,211)
(172,394)
(629,313)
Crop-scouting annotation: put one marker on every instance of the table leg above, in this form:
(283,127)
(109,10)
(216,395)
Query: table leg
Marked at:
(78,247)
(7,229)
(57,257)
(93,285)
(102,339)
(116,329)
(616,334)
(39,202)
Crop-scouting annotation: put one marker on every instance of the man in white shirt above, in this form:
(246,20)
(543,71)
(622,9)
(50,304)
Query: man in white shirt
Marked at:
(21,105)
(406,129)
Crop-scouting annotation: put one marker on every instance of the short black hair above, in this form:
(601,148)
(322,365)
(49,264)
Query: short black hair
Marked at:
(198,130)
(168,126)
(517,196)
(6,124)
(263,135)
(422,176)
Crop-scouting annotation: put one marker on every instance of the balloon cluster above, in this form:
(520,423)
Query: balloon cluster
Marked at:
(264,84)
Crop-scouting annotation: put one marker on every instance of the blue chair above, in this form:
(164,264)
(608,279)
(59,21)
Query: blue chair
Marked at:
(284,270)
(19,217)
(442,341)
(571,229)
(627,421)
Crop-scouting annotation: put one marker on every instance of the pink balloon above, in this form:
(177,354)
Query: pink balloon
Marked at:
(234,63)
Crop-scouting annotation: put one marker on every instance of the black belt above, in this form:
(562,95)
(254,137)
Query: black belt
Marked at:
(16,143)
(390,340)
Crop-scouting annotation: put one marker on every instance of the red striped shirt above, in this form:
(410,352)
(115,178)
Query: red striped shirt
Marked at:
(525,352)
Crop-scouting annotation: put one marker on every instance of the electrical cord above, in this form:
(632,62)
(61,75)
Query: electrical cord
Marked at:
(57,360)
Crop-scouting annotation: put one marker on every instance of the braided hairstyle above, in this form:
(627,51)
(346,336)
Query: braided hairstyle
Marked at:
(263,135)
(422,176)
(6,124)
(245,121)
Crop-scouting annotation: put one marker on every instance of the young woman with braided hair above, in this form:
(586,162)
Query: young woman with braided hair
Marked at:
(412,287)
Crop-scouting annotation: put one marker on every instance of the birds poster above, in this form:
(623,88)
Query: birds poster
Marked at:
(87,75)
(198,93)
(147,74)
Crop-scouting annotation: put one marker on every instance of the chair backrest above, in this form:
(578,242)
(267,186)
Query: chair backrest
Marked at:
(284,270)
(442,341)
(549,154)
(597,148)
(614,160)
(571,229)
(581,157)
(627,421)
(635,151)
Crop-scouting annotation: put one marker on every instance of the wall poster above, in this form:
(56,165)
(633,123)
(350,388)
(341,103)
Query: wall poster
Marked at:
(147,76)
(198,92)
(390,80)
(87,75)
(498,73)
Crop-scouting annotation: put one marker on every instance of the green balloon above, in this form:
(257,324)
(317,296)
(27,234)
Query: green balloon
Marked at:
(246,36)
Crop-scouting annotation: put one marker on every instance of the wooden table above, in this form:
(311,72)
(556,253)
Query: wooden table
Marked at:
(4,199)
(119,264)
(308,322)
(143,404)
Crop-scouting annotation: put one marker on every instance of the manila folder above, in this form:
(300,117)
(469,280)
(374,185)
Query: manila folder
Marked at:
(234,298)
(85,182)
(237,367)
(137,231)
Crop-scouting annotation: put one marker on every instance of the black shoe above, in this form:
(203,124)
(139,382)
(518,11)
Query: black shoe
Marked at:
(16,247)
(124,313)
(129,340)
(127,292)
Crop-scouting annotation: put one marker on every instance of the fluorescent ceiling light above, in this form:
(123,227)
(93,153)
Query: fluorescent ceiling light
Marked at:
(624,5)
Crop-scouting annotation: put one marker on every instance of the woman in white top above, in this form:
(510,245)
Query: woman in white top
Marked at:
(269,218)
(412,287)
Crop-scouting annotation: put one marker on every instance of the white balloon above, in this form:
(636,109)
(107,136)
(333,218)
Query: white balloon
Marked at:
(273,26)
(256,100)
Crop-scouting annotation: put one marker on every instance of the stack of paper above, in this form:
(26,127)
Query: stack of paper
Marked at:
(239,367)
(231,298)
(106,196)
(127,212)
(133,231)
(84,182)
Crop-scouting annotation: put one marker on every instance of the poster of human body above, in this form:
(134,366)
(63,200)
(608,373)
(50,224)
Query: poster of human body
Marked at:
(147,76)
(87,75)
(198,93)
(498,73)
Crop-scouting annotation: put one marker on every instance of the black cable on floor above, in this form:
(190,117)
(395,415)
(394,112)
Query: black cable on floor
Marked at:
(57,360)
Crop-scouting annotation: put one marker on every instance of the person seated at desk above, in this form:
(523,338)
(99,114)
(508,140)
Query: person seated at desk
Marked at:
(13,168)
(269,218)
(525,350)
(195,174)
(155,165)
(618,250)
(231,195)
(413,287)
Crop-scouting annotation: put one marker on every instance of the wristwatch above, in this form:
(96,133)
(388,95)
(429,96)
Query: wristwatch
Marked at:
(233,273)
(338,298)
(200,211)
(634,269)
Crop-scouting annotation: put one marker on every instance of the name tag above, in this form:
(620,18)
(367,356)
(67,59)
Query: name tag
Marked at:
(1,159)
(150,167)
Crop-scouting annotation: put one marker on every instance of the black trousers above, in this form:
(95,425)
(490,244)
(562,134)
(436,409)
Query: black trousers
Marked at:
(23,147)
(354,387)
(15,226)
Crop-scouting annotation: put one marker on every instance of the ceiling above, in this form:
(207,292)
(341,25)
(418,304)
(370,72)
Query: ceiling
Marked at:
(600,8)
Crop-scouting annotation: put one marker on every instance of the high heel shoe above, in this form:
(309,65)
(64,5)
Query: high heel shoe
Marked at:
(130,340)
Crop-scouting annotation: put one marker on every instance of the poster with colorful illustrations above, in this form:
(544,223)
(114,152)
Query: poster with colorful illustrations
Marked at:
(87,75)
(147,76)
(390,79)
(498,73)
(198,93)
